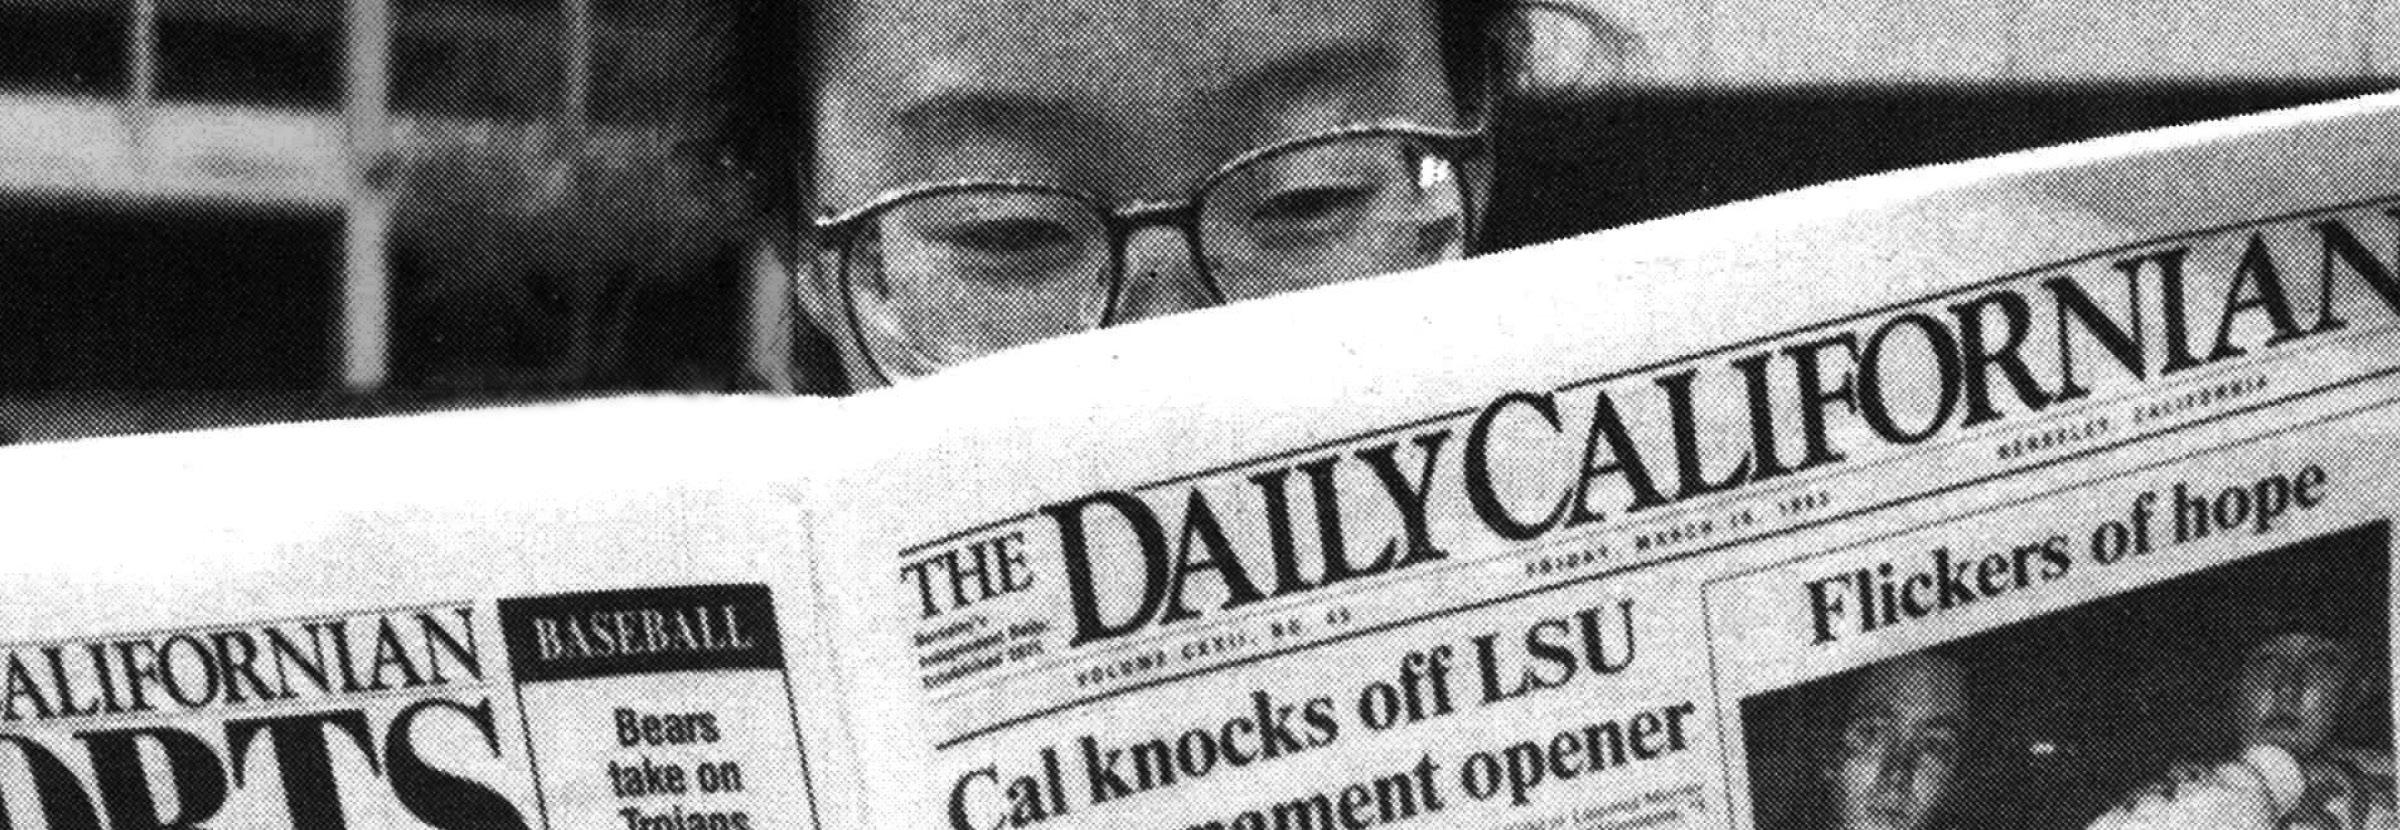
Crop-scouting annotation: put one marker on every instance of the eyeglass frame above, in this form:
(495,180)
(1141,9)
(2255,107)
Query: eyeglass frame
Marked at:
(838,232)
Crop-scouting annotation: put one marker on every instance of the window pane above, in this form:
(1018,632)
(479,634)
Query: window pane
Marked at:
(276,56)
(62,50)
(127,300)
(488,59)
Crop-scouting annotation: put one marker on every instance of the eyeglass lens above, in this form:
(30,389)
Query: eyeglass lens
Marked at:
(947,277)
(1331,213)
(943,279)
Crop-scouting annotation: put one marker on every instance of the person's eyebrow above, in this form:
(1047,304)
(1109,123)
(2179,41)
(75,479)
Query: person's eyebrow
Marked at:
(1871,711)
(957,114)
(1339,65)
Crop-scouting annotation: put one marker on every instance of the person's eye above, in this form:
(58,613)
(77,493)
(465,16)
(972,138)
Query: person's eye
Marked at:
(1304,205)
(1008,237)
(1862,734)
(1943,745)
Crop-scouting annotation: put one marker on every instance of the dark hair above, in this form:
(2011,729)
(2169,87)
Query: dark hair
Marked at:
(763,134)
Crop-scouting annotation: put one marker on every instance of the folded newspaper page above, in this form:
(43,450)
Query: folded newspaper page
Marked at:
(2044,491)
(551,618)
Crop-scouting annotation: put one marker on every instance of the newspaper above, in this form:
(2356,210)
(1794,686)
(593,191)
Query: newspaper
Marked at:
(451,622)
(2043,491)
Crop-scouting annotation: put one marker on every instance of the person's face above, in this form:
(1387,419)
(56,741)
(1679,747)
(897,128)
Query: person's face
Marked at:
(1133,101)
(1899,744)
(2292,691)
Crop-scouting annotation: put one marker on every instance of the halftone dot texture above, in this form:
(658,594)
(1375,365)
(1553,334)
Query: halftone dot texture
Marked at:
(228,211)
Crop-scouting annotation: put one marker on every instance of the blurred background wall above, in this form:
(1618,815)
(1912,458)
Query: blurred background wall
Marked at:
(244,210)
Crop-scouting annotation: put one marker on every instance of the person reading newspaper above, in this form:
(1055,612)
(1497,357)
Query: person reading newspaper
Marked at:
(1469,548)
(983,175)
(2294,691)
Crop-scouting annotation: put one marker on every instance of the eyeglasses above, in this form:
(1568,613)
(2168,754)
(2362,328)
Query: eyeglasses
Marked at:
(938,274)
